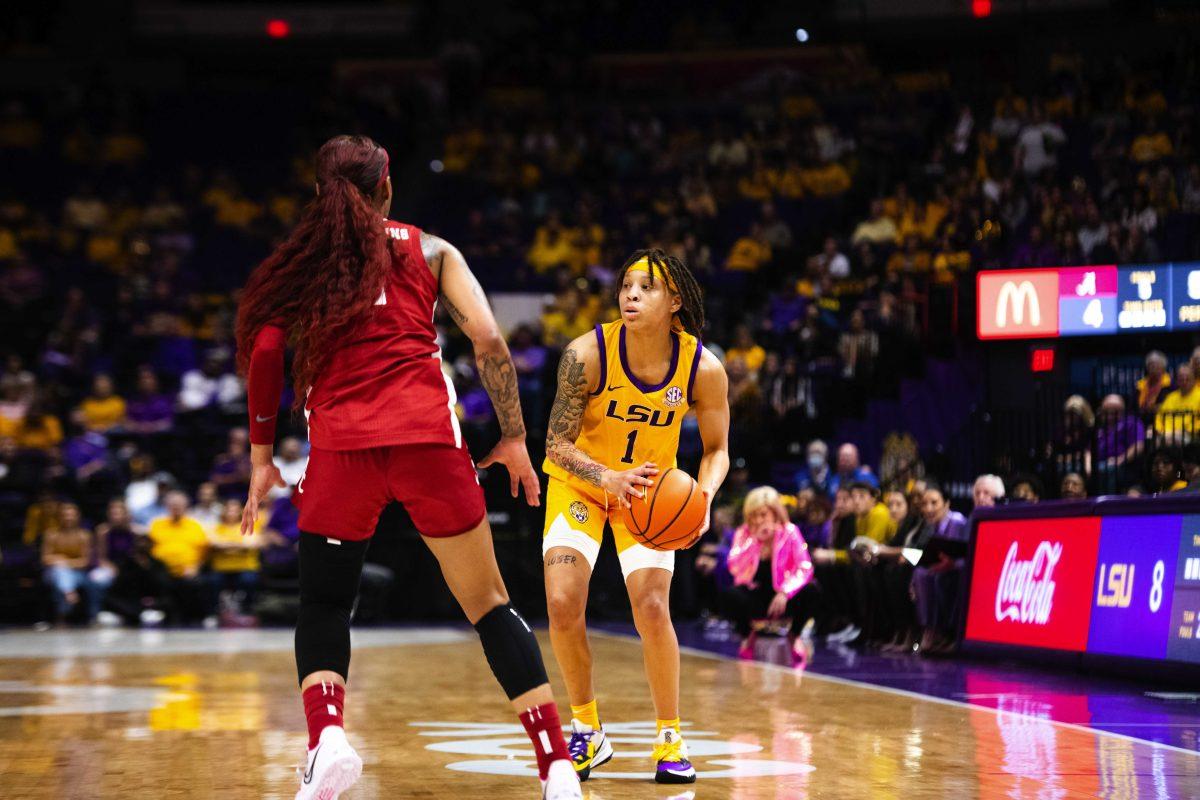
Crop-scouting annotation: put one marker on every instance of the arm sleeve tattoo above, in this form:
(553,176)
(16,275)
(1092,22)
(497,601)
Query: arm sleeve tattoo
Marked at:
(499,377)
(566,420)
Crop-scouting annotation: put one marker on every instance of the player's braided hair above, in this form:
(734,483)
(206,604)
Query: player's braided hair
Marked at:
(691,312)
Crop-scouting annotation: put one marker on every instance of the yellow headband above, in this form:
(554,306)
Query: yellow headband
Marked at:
(643,265)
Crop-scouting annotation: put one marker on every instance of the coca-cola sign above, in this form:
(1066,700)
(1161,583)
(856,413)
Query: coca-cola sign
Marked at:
(1026,591)
(1032,580)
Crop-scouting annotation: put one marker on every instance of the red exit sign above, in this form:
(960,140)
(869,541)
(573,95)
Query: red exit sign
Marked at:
(1041,359)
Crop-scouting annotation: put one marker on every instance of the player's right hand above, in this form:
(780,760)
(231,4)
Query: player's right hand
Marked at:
(629,483)
(263,478)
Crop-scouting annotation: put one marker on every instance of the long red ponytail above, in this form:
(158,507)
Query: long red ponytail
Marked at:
(320,282)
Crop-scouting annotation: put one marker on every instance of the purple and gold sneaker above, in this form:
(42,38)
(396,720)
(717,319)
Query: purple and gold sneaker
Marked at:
(671,759)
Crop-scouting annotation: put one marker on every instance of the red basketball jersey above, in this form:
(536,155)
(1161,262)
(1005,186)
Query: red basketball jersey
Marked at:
(384,385)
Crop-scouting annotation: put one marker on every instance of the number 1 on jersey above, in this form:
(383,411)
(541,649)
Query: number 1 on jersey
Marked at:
(628,457)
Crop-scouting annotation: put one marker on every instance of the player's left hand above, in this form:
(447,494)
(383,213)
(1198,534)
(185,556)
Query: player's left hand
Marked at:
(513,454)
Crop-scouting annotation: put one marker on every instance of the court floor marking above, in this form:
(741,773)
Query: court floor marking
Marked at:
(692,651)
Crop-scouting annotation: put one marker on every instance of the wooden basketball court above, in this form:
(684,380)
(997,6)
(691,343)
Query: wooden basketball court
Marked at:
(196,714)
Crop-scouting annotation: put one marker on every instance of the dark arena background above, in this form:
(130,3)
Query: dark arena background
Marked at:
(951,257)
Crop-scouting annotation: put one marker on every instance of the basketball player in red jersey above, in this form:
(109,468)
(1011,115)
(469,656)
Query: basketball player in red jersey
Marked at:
(354,293)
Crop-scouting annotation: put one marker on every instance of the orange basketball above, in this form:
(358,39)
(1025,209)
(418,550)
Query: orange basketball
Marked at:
(670,514)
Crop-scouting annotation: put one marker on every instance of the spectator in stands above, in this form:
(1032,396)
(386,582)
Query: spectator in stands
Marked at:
(877,229)
(858,348)
(850,469)
(234,559)
(1120,438)
(38,430)
(231,469)
(772,572)
(1037,144)
(210,387)
(936,587)
(1166,471)
(530,358)
(208,506)
(140,593)
(1027,489)
(872,519)
(816,474)
(831,261)
(150,411)
(103,410)
(114,543)
(817,526)
(775,231)
(1152,388)
(987,491)
(181,545)
(750,253)
(292,462)
(1073,487)
(1176,418)
(1073,450)
(66,555)
(745,348)
(889,579)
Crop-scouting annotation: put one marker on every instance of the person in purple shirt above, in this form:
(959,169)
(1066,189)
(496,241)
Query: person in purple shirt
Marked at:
(937,587)
(149,411)
(1120,438)
(529,357)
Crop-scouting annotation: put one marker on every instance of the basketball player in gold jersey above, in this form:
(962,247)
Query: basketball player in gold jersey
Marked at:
(622,393)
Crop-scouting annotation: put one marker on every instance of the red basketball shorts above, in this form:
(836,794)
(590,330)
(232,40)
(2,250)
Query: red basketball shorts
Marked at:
(343,492)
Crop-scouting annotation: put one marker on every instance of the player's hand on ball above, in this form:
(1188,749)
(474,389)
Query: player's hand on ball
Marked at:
(513,454)
(629,483)
(263,478)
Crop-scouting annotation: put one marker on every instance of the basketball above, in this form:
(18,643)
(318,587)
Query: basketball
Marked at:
(668,517)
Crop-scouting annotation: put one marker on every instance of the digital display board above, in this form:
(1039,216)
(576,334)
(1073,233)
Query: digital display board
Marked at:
(1120,585)
(1087,301)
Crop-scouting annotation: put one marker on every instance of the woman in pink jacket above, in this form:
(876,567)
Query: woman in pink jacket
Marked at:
(772,572)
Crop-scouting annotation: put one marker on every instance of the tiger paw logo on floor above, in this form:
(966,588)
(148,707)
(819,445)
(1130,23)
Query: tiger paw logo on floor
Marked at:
(579,511)
(673,397)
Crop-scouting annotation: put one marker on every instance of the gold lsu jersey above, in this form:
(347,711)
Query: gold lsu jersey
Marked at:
(627,422)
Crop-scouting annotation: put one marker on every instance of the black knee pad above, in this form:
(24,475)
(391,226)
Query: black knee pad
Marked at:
(330,570)
(511,650)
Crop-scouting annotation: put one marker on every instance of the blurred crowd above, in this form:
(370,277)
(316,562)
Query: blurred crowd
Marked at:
(834,218)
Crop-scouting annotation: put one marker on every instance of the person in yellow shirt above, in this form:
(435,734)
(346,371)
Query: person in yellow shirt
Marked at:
(1151,144)
(571,316)
(745,348)
(39,430)
(872,520)
(1176,418)
(103,410)
(181,545)
(825,180)
(552,247)
(234,558)
(750,252)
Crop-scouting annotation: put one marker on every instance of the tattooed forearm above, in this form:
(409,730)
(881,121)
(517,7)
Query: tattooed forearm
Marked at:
(566,420)
(454,311)
(499,378)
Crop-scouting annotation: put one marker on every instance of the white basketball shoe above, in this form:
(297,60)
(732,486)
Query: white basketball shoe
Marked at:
(333,767)
(561,782)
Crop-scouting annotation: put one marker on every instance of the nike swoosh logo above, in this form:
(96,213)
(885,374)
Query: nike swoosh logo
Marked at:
(308,775)
(261,418)
(614,388)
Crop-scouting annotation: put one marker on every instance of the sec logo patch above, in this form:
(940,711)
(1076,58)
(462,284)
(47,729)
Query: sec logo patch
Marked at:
(673,397)
(579,511)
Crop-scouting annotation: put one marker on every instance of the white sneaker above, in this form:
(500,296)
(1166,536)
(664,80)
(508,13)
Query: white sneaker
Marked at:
(107,619)
(333,767)
(561,782)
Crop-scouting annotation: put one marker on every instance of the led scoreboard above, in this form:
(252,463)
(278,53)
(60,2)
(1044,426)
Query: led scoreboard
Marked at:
(1087,301)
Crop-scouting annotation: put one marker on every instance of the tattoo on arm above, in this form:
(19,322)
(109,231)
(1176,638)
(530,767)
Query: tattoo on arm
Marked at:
(566,420)
(455,313)
(432,248)
(499,378)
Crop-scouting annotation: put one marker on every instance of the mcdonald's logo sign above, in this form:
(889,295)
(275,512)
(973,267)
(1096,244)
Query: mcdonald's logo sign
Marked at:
(1017,304)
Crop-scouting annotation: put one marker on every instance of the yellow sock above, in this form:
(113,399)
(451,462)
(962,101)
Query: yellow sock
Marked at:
(666,723)
(587,714)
